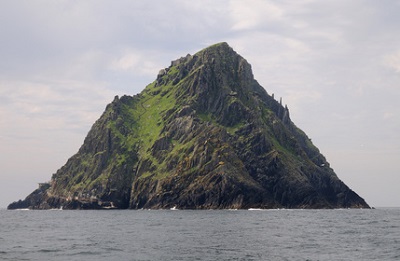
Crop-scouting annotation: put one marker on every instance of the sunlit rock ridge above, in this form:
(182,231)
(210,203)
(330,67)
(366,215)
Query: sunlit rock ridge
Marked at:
(203,135)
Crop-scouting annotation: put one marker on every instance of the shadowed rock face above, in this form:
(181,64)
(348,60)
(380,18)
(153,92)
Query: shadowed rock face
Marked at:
(203,135)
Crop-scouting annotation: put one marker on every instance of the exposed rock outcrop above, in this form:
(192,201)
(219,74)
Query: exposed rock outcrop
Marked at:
(203,135)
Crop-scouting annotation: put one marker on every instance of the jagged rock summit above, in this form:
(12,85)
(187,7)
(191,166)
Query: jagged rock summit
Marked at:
(203,135)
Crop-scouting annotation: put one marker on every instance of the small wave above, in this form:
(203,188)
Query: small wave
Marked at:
(49,250)
(114,249)
(85,253)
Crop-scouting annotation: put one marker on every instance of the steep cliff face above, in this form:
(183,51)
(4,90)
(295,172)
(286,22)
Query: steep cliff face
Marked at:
(203,135)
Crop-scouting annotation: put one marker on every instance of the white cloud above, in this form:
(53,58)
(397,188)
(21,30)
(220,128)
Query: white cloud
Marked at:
(389,115)
(32,109)
(393,61)
(138,62)
(254,13)
(127,62)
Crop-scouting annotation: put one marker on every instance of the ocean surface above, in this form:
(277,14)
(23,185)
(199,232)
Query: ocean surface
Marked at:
(200,235)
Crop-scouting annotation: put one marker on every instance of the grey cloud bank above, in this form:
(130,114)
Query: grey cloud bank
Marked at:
(335,64)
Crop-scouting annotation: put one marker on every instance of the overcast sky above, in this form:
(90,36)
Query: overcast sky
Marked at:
(336,64)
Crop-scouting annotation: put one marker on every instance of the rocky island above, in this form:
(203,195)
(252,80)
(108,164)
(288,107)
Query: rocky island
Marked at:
(203,135)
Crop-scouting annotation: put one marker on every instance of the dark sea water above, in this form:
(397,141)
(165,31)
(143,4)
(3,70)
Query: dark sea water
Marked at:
(200,235)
